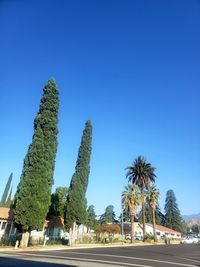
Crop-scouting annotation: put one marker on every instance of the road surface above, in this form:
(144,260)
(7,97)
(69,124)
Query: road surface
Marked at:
(141,256)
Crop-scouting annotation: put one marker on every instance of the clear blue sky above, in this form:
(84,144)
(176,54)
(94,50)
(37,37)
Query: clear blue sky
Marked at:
(132,67)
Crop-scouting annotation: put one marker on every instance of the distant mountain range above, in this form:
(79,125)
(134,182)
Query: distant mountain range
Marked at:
(192,219)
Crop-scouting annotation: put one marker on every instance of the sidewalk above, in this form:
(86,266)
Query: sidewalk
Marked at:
(75,246)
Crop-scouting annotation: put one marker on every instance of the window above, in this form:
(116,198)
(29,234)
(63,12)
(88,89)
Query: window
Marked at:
(13,230)
(3,227)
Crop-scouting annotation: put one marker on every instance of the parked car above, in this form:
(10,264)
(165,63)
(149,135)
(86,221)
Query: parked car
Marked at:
(128,237)
(138,237)
(190,240)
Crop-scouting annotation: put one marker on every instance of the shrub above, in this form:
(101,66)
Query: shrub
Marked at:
(113,228)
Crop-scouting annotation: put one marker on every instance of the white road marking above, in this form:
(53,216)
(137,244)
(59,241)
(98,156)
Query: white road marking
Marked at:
(188,259)
(76,259)
(127,257)
(107,255)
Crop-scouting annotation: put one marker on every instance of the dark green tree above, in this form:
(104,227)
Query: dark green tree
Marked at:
(33,196)
(126,216)
(159,216)
(58,202)
(6,191)
(172,213)
(76,206)
(108,216)
(91,218)
(196,228)
(9,200)
(142,174)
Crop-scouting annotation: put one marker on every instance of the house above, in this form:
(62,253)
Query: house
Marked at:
(161,231)
(54,227)
(7,228)
(137,229)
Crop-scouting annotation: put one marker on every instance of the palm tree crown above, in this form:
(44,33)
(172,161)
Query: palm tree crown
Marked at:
(153,195)
(141,173)
(131,199)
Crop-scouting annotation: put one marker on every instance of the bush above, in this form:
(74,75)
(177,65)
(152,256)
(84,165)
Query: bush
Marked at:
(53,241)
(3,242)
(9,241)
(86,240)
(116,239)
(149,237)
(113,228)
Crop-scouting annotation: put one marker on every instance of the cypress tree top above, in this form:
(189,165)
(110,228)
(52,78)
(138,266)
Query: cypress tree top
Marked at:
(84,154)
(6,191)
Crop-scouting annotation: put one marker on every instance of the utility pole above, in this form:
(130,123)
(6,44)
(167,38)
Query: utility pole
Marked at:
(122,222)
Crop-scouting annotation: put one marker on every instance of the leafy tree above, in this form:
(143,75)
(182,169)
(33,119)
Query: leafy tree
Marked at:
(148,214)
(91,218)
(126,216)
(6,192)
(153,195)
(108,216)
(76,201)
(159,216)
(58,202)
(172,213)
(142,174)
(33,195)
(196,228)
(131,199)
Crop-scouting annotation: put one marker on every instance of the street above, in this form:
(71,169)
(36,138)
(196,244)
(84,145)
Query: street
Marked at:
(141,256)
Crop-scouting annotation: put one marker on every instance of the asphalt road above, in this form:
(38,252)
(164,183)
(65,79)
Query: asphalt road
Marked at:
(141,256)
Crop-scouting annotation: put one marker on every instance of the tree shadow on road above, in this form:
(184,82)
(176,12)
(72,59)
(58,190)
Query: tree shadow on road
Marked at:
(9,262)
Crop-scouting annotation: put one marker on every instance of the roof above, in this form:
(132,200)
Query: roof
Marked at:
(164,229)
(57,222)
(127,227)
(6,213)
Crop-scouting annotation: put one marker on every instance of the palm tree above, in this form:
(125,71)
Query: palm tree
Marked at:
(131,199)
(153,195)
(142,174)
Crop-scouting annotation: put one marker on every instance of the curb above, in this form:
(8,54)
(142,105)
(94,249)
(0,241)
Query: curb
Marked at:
(46,248)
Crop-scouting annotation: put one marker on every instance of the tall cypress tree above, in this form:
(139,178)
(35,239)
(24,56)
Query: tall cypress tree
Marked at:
(6,191)
(173,218)
(82,169)
(76,202)
(33,195)
(9,200)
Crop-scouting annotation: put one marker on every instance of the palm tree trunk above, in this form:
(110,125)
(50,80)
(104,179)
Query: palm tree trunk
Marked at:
(154,224)
(143,213)
(132,229)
